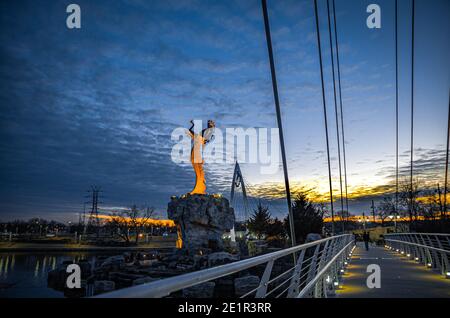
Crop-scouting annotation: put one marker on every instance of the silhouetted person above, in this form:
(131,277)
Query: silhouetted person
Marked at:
(366,239)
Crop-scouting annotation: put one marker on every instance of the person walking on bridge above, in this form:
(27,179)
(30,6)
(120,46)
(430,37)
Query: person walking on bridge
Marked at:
(366,239)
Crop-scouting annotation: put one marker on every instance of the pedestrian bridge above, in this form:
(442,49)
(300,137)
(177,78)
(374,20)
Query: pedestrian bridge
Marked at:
(410,265)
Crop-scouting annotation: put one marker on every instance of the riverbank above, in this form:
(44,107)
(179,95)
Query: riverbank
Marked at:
(36,247)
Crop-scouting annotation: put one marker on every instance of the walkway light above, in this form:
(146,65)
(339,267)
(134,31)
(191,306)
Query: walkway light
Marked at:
(416,258)
(409,255)
(447,275)
(345,263)
(403,252)
(429,264)
(336,284)
(342,270)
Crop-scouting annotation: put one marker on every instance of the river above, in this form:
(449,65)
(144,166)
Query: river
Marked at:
(24,274)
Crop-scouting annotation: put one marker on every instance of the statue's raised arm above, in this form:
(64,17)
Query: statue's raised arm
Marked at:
(190,132)
(208,133)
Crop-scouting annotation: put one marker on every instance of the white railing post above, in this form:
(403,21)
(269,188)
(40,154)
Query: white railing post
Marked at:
(295,281)
(262,289)
(323,258)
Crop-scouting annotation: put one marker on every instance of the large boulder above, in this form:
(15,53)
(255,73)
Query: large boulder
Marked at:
(112,261)
(243,285)
(57,277)
(311,237)
(202,219)
(204,290)
(103,286)
(221,258)
(144,280)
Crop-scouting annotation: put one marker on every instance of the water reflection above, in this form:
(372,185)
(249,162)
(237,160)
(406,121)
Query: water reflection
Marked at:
(25,275)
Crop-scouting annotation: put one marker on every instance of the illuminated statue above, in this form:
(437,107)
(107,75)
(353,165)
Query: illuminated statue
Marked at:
(199,141)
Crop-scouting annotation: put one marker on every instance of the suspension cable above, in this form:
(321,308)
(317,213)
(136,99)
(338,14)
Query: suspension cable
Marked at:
(325,113)
(396,110)
(336,116)
(446,161)
(341,108)
(412,112)
(280,126)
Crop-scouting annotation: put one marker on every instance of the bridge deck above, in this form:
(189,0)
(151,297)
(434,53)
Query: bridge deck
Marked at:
(400,277)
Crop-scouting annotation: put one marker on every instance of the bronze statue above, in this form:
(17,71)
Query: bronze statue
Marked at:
(199,141)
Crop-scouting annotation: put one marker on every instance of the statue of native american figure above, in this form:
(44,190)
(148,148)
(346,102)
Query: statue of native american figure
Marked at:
(198,142)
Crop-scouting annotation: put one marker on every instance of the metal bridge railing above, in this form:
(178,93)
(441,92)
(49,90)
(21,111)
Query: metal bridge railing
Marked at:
(430,249)
(316,273)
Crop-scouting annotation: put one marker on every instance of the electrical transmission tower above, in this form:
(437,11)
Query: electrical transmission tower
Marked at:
(93,221)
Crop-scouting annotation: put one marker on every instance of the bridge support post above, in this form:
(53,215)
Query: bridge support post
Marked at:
(318,289)
(295,281)
(262,289)
(313,264)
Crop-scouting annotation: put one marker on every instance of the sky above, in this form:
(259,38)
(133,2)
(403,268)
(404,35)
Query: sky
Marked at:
(97,105)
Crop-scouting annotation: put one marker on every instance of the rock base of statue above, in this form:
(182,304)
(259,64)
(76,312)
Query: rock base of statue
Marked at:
(202,219)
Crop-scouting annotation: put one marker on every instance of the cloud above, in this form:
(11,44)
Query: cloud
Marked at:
(98,105)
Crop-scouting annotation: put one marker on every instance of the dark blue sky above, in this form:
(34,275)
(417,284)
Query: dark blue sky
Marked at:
(98,105)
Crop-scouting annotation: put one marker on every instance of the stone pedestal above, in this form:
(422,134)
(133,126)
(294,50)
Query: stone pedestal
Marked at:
(203,219)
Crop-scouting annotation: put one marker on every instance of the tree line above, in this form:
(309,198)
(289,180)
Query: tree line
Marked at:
(308,218)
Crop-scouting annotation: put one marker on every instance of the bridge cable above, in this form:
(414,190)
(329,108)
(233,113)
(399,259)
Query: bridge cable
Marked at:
(336,116)
(325,113)
(412,112)
(396,109)
(341,108)
(280,125)
(446,161)
(267,201)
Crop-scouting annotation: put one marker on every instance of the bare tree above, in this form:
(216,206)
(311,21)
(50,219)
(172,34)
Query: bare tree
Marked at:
(408,198)
(431,204)
(131,221)
(385,208)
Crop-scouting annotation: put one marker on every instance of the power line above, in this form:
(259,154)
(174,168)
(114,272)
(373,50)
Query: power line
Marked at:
(336,113)
(280,125)
(325,113)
